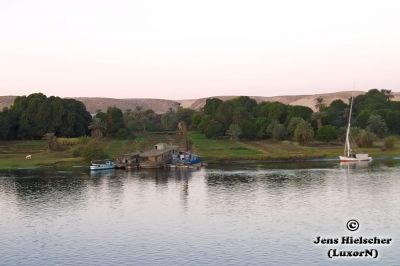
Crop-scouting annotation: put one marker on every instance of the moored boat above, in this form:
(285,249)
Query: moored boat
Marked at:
(102,165)
(186,159)
(349,155)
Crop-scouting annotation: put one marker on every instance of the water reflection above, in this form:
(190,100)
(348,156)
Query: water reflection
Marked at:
(251,214)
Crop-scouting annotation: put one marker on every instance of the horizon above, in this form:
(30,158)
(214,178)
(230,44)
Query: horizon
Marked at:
(211,96)
(186,50)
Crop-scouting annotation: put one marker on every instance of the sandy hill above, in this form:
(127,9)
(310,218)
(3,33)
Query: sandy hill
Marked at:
(161,106)
(305,100)
(96,103)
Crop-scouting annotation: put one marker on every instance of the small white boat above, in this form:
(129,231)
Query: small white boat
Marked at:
(102,165)
(349,155)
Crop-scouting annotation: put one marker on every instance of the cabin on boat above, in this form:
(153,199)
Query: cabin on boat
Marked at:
(129,160)
(158,157)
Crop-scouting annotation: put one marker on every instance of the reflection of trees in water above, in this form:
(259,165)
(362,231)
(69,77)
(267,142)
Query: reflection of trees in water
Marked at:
(268,179)
(161,178)
(40,191)
(115,185)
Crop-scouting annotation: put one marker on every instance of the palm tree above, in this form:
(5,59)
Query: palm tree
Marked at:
(317,116)
(320,104)
(97,127)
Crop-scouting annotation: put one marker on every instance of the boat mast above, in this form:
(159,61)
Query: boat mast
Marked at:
(347,148)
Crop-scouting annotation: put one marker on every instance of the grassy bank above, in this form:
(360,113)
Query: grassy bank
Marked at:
(12,153)
(225,149)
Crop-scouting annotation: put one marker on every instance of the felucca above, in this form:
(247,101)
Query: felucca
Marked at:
(349,155)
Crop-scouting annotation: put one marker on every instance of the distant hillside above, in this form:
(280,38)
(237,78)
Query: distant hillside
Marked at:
(96,103)
(158,105)
(305,100)
(161,106)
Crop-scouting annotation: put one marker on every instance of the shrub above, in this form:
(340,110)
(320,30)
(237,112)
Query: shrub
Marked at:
(77,152)
(276,130)
(123,133)
(293,122)
(365,138)
(389,142)
(327,133)
(303,133)
(93,152)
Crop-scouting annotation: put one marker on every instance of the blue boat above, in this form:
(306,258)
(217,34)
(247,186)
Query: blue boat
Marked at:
(102,165)
(186,159)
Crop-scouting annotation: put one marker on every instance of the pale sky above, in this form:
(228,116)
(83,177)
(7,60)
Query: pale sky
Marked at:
(177,49)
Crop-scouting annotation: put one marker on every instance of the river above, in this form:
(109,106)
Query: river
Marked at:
(238,214)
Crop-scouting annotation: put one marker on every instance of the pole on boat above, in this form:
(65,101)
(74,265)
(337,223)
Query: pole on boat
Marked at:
(347,144)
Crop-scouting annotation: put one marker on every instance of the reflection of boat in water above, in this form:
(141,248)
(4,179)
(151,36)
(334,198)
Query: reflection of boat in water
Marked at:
(349,154)
(356,164)
(102,165)
(103,173)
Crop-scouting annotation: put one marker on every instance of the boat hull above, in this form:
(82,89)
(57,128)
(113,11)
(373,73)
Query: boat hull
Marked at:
(352,159)
(102,166)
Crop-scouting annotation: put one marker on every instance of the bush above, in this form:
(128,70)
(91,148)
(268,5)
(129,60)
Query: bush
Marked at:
(365,138)
(276,130)
(327,133)
(93,152)
(123,133)
(293,122)
(389,142)
(77,152)
(303,133)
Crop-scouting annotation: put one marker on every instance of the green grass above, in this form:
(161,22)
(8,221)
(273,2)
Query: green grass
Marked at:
(222,148)
(225,149)
(12,153)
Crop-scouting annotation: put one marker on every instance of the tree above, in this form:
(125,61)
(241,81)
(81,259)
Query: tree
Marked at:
(214,129)
(114,121)
(211,106)
(303,133)
(327,133)
(320,104)
(30,117)
(393,121)
(8,124)
(276,130)
(234,131)
(377,125)
(97,127)
(293,122)
(317,116)
(51,141)
(299,111)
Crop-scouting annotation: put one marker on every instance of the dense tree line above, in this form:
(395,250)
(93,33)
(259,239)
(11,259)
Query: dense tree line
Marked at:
(243,117)
(30,117)
(374,114)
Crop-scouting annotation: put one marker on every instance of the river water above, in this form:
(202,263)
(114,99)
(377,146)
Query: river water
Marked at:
(238,214)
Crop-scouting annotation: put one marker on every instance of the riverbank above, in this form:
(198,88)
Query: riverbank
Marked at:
(269,150)
(13,153)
